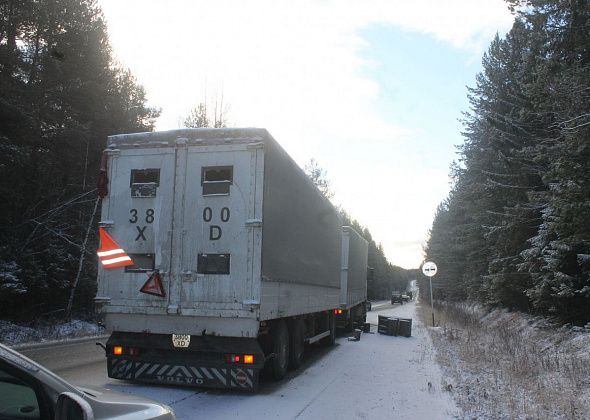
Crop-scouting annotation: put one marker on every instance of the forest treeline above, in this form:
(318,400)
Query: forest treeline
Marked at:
(61,95)
(515,228)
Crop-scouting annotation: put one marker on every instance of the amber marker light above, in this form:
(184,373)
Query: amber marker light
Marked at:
(248,359)
(117,350)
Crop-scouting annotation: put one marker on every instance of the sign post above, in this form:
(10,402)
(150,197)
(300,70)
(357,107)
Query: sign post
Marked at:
(429,269)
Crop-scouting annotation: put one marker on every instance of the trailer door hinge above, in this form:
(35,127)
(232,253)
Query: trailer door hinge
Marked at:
(102,299)
(172,309)
(111,151)
(258,145)
(253,223)
(253,304)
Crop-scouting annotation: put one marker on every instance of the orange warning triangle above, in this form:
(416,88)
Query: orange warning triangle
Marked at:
(111,255)
(153,285)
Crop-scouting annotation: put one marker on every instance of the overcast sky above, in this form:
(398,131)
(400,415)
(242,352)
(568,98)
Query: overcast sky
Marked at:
(372,90)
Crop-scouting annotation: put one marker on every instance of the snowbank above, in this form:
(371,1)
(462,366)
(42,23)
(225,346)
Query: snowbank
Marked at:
(13,334)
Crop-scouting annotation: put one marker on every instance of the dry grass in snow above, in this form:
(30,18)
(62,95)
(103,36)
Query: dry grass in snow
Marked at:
(506,365)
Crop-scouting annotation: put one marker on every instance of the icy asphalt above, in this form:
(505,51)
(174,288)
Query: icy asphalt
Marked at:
(378,377)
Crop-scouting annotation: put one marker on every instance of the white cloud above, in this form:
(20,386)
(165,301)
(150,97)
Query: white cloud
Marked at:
(463,23)
(295,68)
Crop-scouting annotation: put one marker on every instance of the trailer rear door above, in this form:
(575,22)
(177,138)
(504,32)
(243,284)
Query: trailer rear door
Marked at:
(216,223)
(192,211)
(138,215)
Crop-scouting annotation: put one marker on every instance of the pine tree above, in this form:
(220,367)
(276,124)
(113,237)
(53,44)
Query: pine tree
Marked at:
(521,194)
(319,178)
(198,117)
(557,256)
(61,95)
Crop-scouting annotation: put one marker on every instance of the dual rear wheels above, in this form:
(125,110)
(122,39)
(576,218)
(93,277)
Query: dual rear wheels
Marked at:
(296,342)
(331,325)
(277,365)
(288,343)
(356,317)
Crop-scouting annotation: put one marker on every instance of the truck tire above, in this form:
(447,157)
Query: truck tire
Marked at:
(296,343)
(350,321)
(277,366)
(331,339)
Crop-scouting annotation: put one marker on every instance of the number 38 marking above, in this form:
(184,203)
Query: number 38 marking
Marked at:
(149,216)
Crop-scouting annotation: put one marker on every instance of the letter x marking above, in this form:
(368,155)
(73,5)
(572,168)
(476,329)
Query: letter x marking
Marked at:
(141,231)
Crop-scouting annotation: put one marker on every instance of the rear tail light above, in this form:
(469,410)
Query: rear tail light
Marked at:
(128,351)
(247,359)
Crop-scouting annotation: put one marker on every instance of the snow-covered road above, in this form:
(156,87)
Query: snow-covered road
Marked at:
(378,377)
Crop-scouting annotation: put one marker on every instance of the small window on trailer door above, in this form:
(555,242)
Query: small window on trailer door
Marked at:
(213,263)
(216,180)
(144,182)
(142,263)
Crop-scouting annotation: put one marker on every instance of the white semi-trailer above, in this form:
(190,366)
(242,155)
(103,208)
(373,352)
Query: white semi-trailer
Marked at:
(238,259)
(353,279)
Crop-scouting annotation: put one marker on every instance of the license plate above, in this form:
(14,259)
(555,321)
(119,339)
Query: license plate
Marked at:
(181,340)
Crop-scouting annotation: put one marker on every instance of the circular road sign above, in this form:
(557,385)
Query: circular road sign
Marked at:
(429,269)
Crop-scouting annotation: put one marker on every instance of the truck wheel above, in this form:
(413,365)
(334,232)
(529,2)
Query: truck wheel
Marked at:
(280,347)
(331,339)
(350,321)
(363,317)
(296,343)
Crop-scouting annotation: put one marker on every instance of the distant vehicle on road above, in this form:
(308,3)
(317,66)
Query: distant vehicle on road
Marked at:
(29,391)
(398,297)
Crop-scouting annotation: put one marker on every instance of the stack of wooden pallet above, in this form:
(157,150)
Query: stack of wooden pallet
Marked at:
(394,326)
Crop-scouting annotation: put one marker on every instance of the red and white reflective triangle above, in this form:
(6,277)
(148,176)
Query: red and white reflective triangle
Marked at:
(111,255)
(153,285)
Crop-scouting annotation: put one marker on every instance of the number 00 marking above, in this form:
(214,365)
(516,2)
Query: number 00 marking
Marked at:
(207,214)
(224,214)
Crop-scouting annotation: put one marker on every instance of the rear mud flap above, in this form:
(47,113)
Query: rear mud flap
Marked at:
(186,375)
